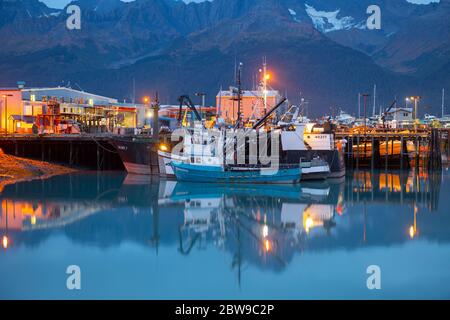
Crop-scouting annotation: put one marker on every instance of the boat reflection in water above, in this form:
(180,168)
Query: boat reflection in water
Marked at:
(154,237)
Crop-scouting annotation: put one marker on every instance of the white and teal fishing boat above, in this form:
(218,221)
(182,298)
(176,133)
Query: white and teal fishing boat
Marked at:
(203,160)
(234,174)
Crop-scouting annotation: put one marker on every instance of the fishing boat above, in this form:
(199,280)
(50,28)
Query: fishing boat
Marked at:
(233,174)
(308,141)
(316,169)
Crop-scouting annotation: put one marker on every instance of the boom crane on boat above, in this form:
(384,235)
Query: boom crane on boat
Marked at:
(186,101)
(387,110)
(264,119)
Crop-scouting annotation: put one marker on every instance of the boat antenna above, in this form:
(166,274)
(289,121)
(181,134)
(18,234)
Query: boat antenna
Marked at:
(219,106)
(239,92)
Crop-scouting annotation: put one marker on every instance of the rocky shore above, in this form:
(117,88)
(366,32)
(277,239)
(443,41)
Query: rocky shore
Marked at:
(15,169)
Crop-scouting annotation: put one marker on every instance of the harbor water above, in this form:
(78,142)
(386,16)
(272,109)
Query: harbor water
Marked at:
(137,237)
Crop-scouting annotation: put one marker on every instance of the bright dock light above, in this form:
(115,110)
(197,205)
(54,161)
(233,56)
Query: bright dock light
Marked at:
(5,242)
(163,147)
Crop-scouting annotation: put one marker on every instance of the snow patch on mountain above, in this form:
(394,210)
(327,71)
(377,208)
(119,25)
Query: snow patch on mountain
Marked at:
(294,15)
(327,21)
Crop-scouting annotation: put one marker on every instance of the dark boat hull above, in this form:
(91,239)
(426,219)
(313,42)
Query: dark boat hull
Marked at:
(139,156)
(334,158)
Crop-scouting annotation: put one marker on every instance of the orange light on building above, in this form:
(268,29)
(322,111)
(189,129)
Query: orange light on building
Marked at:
(267,245)
(268,76)
(163,147)
(5,242)
(146,99)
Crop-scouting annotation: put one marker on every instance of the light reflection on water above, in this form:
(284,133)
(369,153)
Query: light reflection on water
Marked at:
(139,238)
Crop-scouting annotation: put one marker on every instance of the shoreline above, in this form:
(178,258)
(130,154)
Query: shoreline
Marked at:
(16,169)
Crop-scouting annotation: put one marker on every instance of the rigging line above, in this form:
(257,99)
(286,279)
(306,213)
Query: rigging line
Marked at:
(104,148)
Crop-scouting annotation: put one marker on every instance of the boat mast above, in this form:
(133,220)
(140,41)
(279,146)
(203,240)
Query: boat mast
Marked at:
(374,99)
(238,123)
(359,105)
(443,102)
(265,84)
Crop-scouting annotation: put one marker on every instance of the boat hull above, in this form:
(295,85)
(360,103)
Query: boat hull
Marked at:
(315,173)
(334,158)
(215,174)
(139,156)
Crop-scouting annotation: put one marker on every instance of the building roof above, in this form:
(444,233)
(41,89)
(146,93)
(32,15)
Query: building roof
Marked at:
(401,109)
(10,89)
(70,90)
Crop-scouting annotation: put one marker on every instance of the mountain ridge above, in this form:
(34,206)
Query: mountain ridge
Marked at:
(170,46)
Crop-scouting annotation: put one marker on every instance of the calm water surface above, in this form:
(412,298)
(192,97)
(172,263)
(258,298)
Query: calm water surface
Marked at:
(134,237)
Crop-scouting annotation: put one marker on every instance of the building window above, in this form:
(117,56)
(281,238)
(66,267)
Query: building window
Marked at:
(33,98)
(28,110)
(91,102)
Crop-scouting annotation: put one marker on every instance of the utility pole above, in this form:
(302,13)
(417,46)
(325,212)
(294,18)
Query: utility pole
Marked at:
(202,95)
(416,107)
(265,78)
(5,96)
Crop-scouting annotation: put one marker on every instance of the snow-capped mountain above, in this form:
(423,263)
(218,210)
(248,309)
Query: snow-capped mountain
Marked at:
(320,47)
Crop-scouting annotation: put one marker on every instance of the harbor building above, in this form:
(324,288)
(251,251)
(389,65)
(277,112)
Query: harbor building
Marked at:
(254,104)
(65,110)
(401,114)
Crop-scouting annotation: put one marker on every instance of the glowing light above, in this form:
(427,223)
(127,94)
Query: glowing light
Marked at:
(267,76)
(146,99)
(309,223)
(33,220)
(267,245)
(340,209)
(149,114)
(412,232)
(265,231)
(163,147)
(5,242)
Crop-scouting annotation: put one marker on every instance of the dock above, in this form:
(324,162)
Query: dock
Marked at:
(391,149)
(92,151)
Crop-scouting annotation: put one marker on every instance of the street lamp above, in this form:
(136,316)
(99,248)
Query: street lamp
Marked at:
(203,95)
(5,96)
(416,107)
(416,104)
